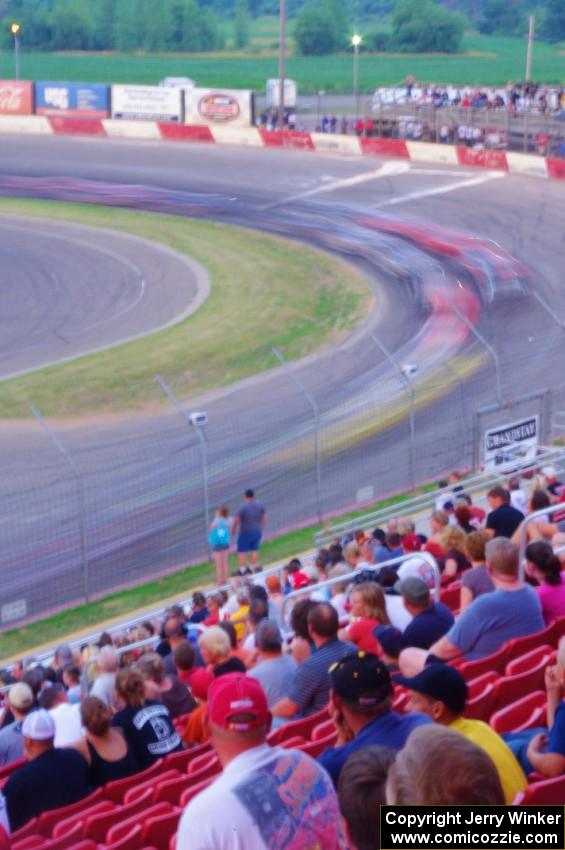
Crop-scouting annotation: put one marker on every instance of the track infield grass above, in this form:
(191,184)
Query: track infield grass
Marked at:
(258,299)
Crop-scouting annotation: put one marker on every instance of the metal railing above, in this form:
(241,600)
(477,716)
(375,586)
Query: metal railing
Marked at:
(543,513)
(347,577)
(426,501)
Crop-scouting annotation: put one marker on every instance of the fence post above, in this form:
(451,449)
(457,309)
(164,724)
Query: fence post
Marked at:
(490,350)
(203,452)
(80,493)
(409,387)
(316,411)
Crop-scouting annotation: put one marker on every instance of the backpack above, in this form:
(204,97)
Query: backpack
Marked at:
(219,535)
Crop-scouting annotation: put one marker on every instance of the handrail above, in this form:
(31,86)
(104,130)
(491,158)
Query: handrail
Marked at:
(304,592)
(426,500)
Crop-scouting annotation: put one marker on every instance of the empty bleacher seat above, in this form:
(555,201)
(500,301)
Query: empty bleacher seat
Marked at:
(530,660)
(48,820)
(547,792)
(481,706)
(117,789)
(302,726)
(471,669)
(525,713)
(519,646)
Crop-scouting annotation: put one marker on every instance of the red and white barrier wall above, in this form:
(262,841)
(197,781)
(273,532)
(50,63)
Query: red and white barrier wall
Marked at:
(515,163)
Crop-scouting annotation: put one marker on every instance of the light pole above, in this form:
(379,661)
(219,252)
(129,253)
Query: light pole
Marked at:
(282,62)
(356,41)
(15,29)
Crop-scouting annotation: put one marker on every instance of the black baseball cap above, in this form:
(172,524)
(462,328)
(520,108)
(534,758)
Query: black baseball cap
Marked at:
(441,682)
(361,678)
(390,639)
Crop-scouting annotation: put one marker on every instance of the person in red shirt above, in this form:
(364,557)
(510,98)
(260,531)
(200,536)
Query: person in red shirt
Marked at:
(368,610)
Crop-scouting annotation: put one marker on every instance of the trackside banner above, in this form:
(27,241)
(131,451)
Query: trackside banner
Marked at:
(91,100)
(224,107)
(471,827)
(148,103)
(16,98)
(507,444)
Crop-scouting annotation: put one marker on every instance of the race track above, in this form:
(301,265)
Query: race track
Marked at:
(142,475)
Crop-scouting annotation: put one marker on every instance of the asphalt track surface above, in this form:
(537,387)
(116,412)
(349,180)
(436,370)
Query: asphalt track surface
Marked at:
(142,475)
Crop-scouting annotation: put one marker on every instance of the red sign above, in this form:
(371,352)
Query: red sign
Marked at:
(16,98)
(218,107)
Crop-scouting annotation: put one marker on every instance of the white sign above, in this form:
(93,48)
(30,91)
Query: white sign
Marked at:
(226,107)
(273,91)
(147,103)
(507,445)
(16,610)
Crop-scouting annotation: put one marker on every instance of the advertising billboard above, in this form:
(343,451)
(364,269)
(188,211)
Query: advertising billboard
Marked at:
(507,444)
(90,100)
(16,98)
(220,107)
(148,103)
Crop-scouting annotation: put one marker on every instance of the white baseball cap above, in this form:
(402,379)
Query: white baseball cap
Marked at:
(39,726)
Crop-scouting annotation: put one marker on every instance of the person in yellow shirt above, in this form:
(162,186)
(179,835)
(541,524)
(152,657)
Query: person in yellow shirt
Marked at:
(441,692)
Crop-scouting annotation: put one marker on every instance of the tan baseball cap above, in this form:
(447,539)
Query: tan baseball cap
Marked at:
(20,696)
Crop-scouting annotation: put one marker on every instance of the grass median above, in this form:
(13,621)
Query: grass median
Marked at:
(16,643)
(265,291)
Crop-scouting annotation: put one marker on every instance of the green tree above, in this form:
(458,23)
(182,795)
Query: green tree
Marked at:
(127,25)
(103,15)
(501,18)
(321,28)
(421,26)
(71,26)
(553,27)
(241,23)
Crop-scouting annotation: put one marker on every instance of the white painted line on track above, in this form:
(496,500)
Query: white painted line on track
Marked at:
(443,172)
(389,169)
(442,190)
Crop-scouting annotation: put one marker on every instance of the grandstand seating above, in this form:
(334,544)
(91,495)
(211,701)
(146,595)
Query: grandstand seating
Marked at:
(525,713)
(301,726)
(481,706)
(544,792)
(525,663)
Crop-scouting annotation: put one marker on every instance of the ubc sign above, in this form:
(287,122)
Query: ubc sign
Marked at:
(82,99)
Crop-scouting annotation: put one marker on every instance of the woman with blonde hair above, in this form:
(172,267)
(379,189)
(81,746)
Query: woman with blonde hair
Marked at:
(216,651)
(105,749)
(455,559)
(146,723)
(368,610)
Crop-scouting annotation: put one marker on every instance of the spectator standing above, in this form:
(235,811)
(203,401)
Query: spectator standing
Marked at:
(361,707)
(219,540)
(146,724)
(267,796)
(20,701)
(248,524)
(104,748)
(311,687)
(440,692)
(52,778)
(274,671)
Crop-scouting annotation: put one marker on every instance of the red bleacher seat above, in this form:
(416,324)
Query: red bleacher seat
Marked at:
(451,596)
(547,792)
(525,713)
(314,748)
(170,790)
(173,842)
(482,705)
(7,769)
(130,841)
(292,743)
(519,646)
(558,630)
(85,844)
(193,790)
(210,769)
(117,789)
(120,830)
(530,660)
(97,825)
(65,824)
(302,726)
(508,689)
(29,843)
(201,761)
(72,837)
(477,686)
(471,669)
(157,831)
(137,791)
(29,829)
(48,820)
(323,730)
(399,700)
(182,759)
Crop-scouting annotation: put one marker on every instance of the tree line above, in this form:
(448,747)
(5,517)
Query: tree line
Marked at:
(319,26)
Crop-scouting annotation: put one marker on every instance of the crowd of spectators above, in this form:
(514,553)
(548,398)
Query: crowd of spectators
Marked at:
(233,666)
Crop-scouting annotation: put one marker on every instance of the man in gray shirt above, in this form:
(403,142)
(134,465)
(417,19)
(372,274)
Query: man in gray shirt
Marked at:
(273,670)
(21,702)
(248,524)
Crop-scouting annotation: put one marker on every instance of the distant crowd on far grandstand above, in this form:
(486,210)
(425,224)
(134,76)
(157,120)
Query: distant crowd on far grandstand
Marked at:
(293,701)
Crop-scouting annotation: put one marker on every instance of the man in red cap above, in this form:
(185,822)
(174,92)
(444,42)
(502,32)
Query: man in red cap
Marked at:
(266,796)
